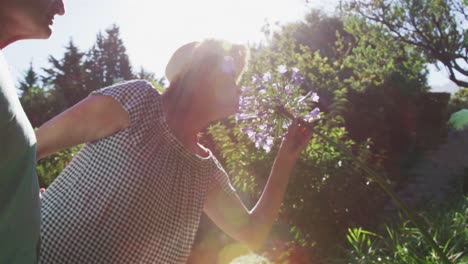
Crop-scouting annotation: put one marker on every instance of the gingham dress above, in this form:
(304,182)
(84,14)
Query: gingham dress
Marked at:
(134,197)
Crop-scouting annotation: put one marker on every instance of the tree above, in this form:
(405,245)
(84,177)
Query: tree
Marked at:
(94,64)
(326,190)
(34,99)
(151,77)
(66,78)
(359,81)
(30,80)
(107,61)
(459,101)
(438,28)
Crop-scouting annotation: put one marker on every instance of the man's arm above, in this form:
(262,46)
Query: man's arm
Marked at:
(95,117)
(252,227)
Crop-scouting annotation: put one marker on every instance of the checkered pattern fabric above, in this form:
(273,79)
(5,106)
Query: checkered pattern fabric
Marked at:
(134,197)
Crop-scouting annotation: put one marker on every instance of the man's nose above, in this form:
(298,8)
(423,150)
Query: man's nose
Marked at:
(59,8)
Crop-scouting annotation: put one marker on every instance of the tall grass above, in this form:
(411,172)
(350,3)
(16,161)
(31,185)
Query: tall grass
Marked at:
(403,243)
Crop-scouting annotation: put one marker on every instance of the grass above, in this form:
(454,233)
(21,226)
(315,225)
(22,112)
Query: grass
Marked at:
(403,243)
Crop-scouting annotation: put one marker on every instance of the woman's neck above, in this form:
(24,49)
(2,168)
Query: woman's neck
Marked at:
(185,125)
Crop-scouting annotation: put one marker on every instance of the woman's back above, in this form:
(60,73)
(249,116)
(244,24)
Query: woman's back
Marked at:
(133,197)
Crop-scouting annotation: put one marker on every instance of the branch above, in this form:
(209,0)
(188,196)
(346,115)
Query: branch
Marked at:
(454,79)
(460,69)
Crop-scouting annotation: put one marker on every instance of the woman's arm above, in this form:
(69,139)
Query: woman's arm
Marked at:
(252,227)
(95,117)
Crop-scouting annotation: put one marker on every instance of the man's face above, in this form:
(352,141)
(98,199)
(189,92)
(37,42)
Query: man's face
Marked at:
(34,18)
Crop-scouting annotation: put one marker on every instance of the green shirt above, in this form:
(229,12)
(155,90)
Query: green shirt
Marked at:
(19,188)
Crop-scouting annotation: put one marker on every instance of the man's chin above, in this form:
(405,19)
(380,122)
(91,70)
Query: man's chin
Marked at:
(41,33)
(47,32)
(44,31)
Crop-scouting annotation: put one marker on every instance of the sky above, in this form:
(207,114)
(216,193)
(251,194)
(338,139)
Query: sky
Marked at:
(152,29)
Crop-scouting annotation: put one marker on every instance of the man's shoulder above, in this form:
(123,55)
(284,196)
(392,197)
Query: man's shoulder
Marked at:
(9,101)
(16,131)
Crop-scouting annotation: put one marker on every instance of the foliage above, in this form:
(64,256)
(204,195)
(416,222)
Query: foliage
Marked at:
(262,103)
(30,79)
(382,60)
(50,167)
(403,243)
(436,28)
(353,70)
(70,79)
(34,99)
(326,189)
(107,60)
(151,77)
(66,78)
(459,101)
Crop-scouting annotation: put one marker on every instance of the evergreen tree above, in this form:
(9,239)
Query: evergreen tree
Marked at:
(107,61)
(30,79)
(151,77)
(34,98)
(94,64)
(67,78)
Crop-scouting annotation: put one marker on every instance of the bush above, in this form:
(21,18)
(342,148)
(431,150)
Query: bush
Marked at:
(403,243)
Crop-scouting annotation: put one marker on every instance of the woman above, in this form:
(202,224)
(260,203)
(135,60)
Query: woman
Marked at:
(136,190)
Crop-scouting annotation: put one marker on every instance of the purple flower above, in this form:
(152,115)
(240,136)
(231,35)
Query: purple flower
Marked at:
(251,134)
(259,140)
(282,69)
(261,87)
(267,102)
(287,89)
(316,112)
(278,86)
(256,79)
(268,144)
(312,115)
(314,97)
(245,101)
(246,89)
(267,77)
(298,79)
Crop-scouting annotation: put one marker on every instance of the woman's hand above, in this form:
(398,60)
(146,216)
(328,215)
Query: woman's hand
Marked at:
(296,139)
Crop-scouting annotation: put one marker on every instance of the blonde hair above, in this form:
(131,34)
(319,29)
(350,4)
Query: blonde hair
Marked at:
(188,62)
(194,54)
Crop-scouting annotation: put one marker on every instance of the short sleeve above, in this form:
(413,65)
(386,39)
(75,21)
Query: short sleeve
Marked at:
(135,97)
(221,179)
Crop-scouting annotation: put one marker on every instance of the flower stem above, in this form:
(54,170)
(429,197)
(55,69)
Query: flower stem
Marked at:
(381,182)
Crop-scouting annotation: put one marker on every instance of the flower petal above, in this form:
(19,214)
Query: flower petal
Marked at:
(282,69)
(267,77)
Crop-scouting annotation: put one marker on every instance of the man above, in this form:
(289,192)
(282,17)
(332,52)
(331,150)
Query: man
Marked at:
(19,189)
